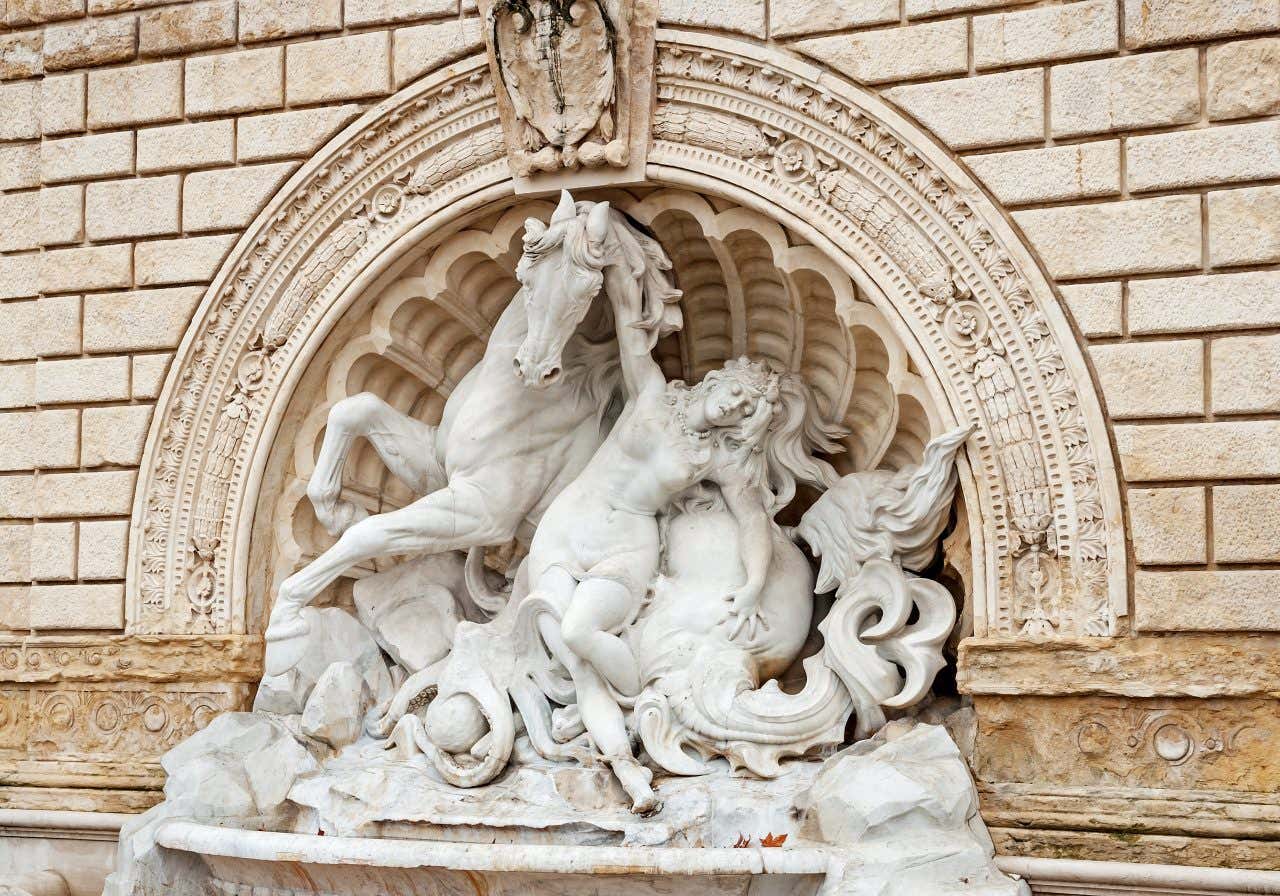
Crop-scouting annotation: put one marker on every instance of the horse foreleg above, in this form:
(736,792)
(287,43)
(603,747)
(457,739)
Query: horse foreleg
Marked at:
(453,518)
(405,445)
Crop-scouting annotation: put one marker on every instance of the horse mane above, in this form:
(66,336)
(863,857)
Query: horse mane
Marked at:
(647,261)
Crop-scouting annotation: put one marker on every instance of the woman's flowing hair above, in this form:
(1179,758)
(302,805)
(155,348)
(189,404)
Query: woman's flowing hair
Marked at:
(775,444)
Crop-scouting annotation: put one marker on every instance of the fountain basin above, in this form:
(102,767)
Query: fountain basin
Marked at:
(242,862)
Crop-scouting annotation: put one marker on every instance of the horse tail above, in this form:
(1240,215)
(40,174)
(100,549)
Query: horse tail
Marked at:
(482,595)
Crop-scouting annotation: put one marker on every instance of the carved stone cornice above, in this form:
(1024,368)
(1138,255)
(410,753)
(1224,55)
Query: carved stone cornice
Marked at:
(747,122)
(1235,664)
(159,659)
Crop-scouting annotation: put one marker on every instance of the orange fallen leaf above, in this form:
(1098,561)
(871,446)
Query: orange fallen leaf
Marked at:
(743,842)
(772,839)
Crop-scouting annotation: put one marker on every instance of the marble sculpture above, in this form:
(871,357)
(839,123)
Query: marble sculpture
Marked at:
(649,607)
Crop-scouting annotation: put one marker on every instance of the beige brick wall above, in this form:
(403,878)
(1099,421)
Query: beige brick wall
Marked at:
(1136,144)
(137,140)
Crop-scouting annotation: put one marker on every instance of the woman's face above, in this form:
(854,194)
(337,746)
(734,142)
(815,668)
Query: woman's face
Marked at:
(727,404)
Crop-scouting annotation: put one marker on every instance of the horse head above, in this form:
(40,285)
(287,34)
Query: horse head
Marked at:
(560,274)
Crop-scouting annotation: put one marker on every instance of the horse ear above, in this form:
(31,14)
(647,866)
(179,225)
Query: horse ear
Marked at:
(566,210)
(598,223)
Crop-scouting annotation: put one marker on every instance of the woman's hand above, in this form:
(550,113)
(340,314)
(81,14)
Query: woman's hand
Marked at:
(744,614)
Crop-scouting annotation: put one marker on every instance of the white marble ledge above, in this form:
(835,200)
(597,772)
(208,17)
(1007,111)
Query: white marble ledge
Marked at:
(267,846)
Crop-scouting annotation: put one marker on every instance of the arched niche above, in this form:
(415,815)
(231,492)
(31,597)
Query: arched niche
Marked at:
(779,172)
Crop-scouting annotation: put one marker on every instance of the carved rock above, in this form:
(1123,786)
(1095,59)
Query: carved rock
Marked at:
(336,707)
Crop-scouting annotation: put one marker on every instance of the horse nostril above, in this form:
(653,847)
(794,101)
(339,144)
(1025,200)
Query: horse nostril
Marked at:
(515,366)
(551,376)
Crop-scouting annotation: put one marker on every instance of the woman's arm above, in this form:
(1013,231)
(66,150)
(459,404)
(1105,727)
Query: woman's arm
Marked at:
(755,543)
(640,373)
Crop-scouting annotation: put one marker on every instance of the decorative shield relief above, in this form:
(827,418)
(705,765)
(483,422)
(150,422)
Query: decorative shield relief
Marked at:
(573,81)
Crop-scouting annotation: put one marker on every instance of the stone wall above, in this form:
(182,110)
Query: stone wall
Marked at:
(1135,143)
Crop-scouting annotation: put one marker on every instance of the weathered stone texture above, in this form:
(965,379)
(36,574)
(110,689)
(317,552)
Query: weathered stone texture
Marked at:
(79,380)
(1212,302)
(132,321)
(895,54)
(1242,226)
(61,215)
(182,29)
(1151,379)
(235,82)
(1223,450)
(229,197)
(53,552)
(1168,525)
(119,209)
(20,55)
(77,606)
(339,68)
(1210,600)
(20,110)
(1242,78)
(422,48)
(102,549)
(90,42)
(82,158)
(1049,32)
(60,334)
(382,12)
(1246,374)
(1140,91)
(113,436)
(791,18)
(272,19)
(186,146)
(191,260)
(62,104)
(1246,523)
(106,493)
(1211,156)
(91,267)
(289,135)
(983,111)
(1029,176)
(1097,307)
(139,94)
(1154,22)
(742,16)
(1131,237)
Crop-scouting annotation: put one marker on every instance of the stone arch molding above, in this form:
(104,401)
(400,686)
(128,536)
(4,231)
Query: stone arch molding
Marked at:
(826,159)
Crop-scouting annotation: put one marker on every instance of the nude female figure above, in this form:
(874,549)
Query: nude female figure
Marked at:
(597,547)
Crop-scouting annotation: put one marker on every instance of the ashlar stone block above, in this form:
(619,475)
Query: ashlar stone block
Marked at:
(1168,525)
(1242,226)
(986,110)
(1242,78)
(113,436)
(894,54)
(1246,374)
(1112,238)
(1246,523)
(138,94)
(1141,91)
(1045,32)
(1151,379)
(339,68)
(243,81)
(146,319)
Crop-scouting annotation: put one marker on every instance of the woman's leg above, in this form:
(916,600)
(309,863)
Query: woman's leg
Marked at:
(598,606)
(607,726)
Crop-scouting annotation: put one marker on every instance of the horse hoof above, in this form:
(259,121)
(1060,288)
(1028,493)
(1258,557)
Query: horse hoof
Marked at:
(337,515)
(284,652)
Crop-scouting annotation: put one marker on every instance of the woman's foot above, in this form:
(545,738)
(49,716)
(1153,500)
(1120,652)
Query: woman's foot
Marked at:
(637,781)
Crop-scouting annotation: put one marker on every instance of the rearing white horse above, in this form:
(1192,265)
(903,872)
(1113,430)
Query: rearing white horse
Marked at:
(520,426)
